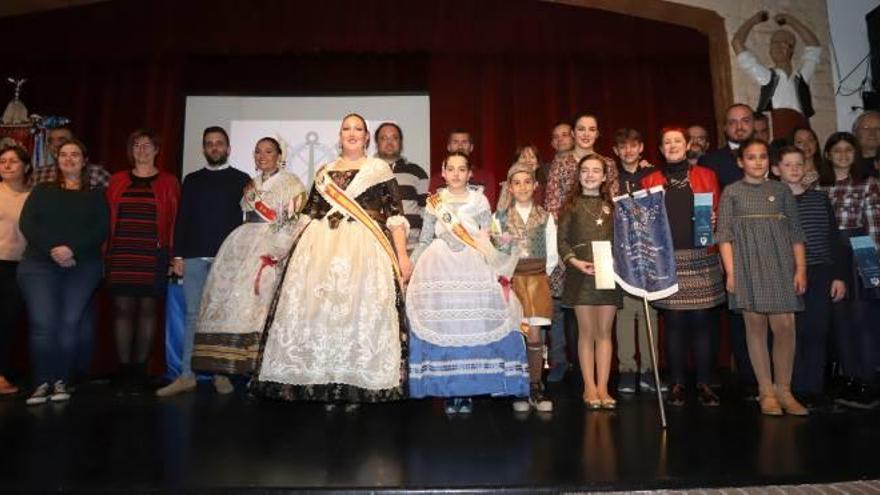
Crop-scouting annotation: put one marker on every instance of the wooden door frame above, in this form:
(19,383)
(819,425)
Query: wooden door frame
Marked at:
(705,21)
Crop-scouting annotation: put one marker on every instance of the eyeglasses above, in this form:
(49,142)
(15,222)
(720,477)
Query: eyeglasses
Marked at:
(142,146)
(869,129)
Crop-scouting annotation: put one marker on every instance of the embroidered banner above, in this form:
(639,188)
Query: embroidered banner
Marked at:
(644,259)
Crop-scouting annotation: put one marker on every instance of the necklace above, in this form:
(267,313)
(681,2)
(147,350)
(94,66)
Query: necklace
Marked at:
(597,213)
(675,183)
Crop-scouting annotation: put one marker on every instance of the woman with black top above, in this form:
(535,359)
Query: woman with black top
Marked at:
(689,315)
(65,223)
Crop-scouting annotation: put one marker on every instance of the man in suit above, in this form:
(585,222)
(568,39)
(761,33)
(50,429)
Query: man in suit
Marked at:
(738,127)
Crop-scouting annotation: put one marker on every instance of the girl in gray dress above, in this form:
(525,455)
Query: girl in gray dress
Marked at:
(762,248)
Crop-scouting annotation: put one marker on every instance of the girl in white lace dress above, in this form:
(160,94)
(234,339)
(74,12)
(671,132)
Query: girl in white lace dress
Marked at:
(465,335)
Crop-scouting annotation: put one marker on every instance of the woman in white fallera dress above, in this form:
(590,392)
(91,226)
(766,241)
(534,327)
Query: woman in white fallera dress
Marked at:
(239,288)
(336,331)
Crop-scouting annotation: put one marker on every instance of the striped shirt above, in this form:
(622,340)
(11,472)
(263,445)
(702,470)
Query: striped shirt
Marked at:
(132,260)
(820,227)
(412,182)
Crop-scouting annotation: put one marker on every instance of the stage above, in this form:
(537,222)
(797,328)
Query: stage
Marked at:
(236,444)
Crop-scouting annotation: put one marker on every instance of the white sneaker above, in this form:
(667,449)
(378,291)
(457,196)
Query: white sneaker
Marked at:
(39,396)
(59,392)
(521,406)
(541,404)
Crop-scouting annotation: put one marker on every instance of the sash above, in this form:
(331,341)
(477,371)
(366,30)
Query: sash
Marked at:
(502,264)
(265,212)
(261,208)
(339,199)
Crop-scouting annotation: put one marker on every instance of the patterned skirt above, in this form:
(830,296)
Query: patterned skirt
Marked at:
(700,282)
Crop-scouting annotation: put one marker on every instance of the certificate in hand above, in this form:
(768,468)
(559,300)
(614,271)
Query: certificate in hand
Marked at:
(703,220)
(865,253)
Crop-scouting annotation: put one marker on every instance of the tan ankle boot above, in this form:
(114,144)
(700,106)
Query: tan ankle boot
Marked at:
(789,404)
(769,404)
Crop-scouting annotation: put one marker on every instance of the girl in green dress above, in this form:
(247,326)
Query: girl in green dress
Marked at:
(586,217)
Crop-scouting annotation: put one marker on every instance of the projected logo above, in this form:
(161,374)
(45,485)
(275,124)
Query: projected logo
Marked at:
(305,144)
(310,154)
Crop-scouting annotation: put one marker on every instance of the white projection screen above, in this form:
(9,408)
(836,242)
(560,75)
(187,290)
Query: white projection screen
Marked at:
(306,126)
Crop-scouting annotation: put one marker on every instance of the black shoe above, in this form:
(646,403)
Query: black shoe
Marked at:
(706,396)
(676,395)
(627,383)
(857,395)
(816,403)
(122,383)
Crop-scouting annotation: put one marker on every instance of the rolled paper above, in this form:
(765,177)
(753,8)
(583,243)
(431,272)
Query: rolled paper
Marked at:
(867,261)
(703,220)
(603,263)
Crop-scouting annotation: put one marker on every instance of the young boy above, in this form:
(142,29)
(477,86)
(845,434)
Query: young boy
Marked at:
(631,323)
(527,228)
(826,270)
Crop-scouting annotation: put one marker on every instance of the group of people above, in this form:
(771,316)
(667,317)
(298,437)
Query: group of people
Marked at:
(367,288)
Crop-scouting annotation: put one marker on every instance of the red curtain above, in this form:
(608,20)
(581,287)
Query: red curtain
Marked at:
(506,69)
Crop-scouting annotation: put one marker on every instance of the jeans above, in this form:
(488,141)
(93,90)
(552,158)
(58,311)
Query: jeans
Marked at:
(10,311)
(85,338)
(194,276)
(56,298)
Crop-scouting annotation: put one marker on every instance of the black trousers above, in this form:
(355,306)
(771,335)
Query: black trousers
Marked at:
(686,330)
(811,332)
(745,374)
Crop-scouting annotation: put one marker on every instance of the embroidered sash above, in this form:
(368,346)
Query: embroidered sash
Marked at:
(339,199)
(502,264)
(265,212)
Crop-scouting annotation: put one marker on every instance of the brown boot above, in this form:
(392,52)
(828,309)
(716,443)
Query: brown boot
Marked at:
(769,405)
(789,404)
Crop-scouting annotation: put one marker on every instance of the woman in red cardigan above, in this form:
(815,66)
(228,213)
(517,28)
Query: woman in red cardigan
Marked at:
(143,206)
(689,315)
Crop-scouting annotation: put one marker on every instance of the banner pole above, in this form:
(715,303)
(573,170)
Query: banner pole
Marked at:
(654,363)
